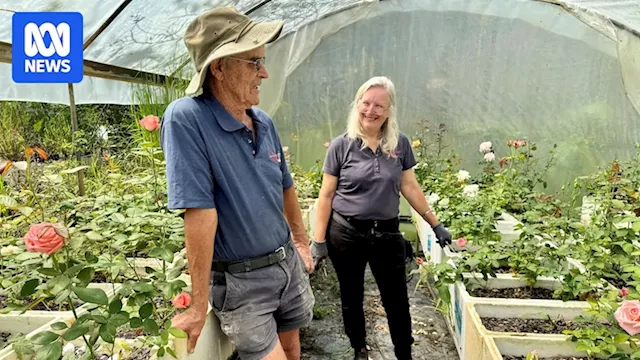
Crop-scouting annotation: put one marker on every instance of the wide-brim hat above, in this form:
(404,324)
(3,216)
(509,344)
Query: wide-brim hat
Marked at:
(223,32)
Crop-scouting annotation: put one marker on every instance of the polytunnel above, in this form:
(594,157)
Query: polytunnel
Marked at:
(555,72)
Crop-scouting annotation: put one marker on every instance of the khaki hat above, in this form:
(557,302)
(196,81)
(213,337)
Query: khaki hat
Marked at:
(223,32)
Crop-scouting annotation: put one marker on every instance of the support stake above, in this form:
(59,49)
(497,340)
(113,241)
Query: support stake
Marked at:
(74,128)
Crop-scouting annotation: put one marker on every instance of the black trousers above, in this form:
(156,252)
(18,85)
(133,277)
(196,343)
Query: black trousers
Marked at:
(350,249)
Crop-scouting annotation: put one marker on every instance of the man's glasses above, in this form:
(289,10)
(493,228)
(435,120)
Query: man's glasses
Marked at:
(258,63)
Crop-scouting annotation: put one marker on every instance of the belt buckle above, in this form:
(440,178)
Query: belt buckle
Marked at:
(283,250)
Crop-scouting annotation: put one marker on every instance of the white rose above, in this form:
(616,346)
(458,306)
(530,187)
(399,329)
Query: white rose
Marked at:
(10,250)
(433,199)
(485,147)
(489,157)
(471,190)
(463,175)
(443,203)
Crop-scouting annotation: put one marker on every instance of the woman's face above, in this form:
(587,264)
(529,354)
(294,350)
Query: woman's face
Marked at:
(373,108)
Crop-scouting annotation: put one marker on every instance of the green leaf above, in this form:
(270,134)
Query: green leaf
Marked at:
(636,226)
(620,338)
(76,330)
(118,218)
(49,271)
(99,319)
(146,310)
(92,235)
(135,322)
(29,287)
(115,306)
(86,275)
(74,170)
(120,318)
(160,352)
(179,333)
(172,353)
(51,351)
(8,202)
(59,326)
(91,259)
(151,327)
(93,296)
(58,284)
(108,332)
(25,210)
(166,255)
(143,287)
(44,338)
(72,271)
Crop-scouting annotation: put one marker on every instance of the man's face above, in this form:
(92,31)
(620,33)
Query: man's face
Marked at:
(242,77)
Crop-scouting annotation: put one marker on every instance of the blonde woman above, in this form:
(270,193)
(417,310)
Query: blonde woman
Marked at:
(365,170)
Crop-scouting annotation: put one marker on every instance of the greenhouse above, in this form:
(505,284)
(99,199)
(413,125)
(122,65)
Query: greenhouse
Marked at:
(522,116)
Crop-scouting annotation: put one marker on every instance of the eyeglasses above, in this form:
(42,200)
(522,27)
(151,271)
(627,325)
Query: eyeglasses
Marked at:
(377,108)
(258,63)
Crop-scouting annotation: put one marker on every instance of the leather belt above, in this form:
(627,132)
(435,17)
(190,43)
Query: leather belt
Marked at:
(240,266)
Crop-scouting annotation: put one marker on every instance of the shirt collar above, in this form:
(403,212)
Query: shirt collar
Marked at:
(226,121)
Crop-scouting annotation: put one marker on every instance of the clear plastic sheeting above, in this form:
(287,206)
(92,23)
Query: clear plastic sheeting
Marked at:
(148,34)
(623,12)
(489,70)
(91,90)
(94,12)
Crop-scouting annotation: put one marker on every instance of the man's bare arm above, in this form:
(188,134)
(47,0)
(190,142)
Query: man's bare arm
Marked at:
(294,217)
(200,229)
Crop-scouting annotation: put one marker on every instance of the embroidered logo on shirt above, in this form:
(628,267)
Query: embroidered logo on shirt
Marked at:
(275,157)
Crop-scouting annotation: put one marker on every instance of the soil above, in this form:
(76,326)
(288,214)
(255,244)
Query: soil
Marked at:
(537,326)
(136,354)
(508,357)
(513,293)
(325,338)
(4,338)
(100,277)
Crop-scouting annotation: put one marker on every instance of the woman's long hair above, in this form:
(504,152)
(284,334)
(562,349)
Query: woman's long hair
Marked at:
(389,131)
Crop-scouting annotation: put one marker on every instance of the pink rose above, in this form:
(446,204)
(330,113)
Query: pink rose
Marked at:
(462,242)
(150,123)
(419,260)
(181,300)
(624,292)
(628,316)
(45,238)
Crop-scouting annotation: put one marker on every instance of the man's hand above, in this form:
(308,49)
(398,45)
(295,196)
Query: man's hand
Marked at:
(305,254)
(319,252)
(191,322)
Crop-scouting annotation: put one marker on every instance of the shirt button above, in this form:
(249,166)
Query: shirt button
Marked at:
(249,141)
(253,152)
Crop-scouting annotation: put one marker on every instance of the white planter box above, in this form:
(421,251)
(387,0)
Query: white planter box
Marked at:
(546,346)
(212,343)
(476,332)
(460,299)
(22,324)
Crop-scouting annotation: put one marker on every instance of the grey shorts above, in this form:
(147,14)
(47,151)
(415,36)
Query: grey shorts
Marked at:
(253,307)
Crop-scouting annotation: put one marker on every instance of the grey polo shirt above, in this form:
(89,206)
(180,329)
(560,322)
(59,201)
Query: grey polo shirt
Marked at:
(213,162)
(368,182)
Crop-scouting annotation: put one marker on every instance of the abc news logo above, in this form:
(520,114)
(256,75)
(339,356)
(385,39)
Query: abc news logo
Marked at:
(34,45)
(47,47)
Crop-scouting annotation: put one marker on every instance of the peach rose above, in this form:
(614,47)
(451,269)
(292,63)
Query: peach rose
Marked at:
(628,316)
(462,242)
(45,237)
(181,300)
(150,123)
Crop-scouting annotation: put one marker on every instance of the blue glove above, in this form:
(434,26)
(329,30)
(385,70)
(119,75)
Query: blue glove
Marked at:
(443,235)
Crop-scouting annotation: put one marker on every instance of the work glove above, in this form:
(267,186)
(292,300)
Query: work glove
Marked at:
(319,252)
(443,235)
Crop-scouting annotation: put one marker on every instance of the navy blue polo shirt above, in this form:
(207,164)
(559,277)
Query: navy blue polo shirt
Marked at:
(212,161)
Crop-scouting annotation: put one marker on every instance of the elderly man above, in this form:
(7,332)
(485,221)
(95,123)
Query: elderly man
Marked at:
(226,167)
